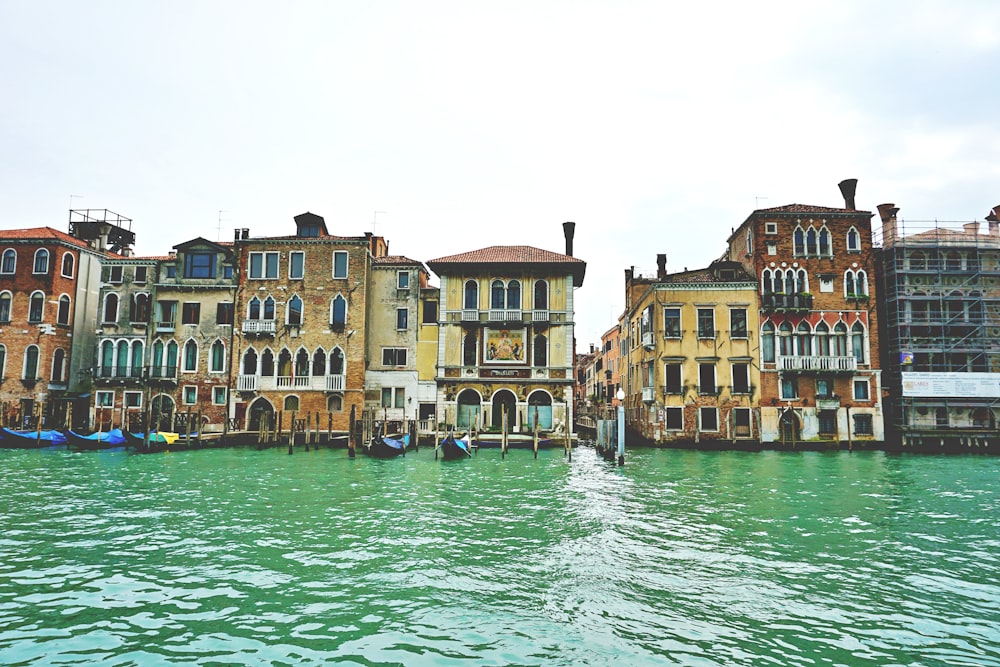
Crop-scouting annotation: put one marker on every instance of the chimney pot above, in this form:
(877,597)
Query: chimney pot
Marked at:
(661,266)
(994,214)
(848,187)
(568,230)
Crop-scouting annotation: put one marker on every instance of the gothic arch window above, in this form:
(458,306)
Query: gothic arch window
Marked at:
(253,309)
(284,363)
(861,282)
(268,313)
(250,361)
(267,363)
(801,281)
(156,363)
(850,289)
(786,344)
(302,362)
(41,261)
(471,301)
(799,242)
(803,343)
(840,340)
(767,342)
(294,311)
(337,361)
(853,240)
(812,247)
(190,356)
(858,342)
(319,363)
(825,248)
(823,339)
(217,357)
(766,284)
(338,313)
(171,369)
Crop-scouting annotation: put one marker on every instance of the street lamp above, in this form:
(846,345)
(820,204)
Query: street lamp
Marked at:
(621,426)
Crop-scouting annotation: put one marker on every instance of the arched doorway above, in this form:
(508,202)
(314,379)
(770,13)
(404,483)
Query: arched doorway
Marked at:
(469,407)
(789,427)
(540,411)
(260,409)
(162,413)
(504,401)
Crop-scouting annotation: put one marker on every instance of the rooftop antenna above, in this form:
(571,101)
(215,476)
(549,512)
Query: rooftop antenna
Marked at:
(218,228)
(71,198)
(756,202)
(374,218)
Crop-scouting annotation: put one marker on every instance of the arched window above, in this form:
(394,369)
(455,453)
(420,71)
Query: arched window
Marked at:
(338,312)
(789,282)
(541,351)
(156,365)
(514,295)
(63,315)
(284,363)
(767,342)
(294,311)
(171,369)
(9,262)
(217,362)
(335,403)
(68,265)
(268,308)
(803,343)
(302,363)
(861,283)
(267,363)
(319,363)
(250,362)
(59,366)
(541,300)
(190,356)
(853,240)
(840,340)
(801,282)
(31,362)
(41,261)
(137,359)
(469,350)
(121,359)
(36,307)
(253,309)
(3,361)
(811,245)
(497,294)
(5,301)
(111,308)
(786,346)
(799,240)
(291,403)
(138,308)
(849,287)
(824,241)
(107,358)
(822,339)
(749,249)
(471,301)
(337,361)
(858,342)
(766,285)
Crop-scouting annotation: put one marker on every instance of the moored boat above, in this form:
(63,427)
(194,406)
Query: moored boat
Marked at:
(453,448)
(158,442)
(99,441)
(11,439)
(382,447)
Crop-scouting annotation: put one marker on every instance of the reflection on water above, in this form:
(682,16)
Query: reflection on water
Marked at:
(679,558)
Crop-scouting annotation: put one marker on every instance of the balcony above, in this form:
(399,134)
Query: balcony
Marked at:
(647,340)
(105,374)
(166,373)
(505,315)
(291,383)
(336,382)
(540,316)
(786,302)
(260,327)
(165,327)
(648,394)
(818,364)
(470,315)
(247,383)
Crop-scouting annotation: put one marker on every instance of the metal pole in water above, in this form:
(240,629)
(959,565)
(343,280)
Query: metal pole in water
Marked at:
(621,427)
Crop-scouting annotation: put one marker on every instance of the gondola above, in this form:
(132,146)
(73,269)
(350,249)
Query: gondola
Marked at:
(382,447)
(454,448)
(158,442)
(100,441)
(10,439)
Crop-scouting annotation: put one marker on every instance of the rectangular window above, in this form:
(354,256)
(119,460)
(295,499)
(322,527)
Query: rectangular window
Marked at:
(115,274)
(706,378)
(402,315)
(393,356)
(403,280)
(191,312)
(104,399)
(227,272)
(863,425)
(218,395)
(171,271)
(430,312)
(706,323)
(770,228)
(861,390)
(224,312)
(824,388)
(671,322)
(133,399)
(199,265)
(190,395)
(140,275)
(672,379)
(789,388)
(393,397)
(737,322)
(674,419)
(709,419)
(296,265)
(263,265)
(828,422)
(167,314)
(340,264)
(741,378)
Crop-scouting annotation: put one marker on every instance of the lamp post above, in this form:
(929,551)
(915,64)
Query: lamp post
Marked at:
(621,426)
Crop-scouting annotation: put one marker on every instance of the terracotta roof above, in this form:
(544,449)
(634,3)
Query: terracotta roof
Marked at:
(395,259)
(512,255)
(41,233)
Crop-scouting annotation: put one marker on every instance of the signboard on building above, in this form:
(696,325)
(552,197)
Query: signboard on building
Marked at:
(504,373)
(951,385)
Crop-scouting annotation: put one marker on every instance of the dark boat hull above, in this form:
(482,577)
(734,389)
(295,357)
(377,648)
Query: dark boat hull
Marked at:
(452,449)
(10,439)
(380,449)
(113,440)
(134,442)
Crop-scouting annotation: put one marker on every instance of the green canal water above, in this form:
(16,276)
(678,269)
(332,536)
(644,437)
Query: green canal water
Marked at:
(249,557)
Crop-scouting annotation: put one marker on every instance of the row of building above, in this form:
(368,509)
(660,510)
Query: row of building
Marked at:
(811,329)
(310,323)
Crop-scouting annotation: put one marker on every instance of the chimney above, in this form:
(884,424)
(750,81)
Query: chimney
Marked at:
(971,228)
(568,229)
(661,266)
(993,217)
(236,235)
(246,233)
(848,187)
(888,214)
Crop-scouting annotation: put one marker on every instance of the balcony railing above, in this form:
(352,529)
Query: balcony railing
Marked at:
(828,364)
(286,382)
(505,315)
(780,302)
(259,327)
(247,383)
(647,340)
(336,382)
(540,316)
(118,373)
(648,394)
(165,326)
(470,315)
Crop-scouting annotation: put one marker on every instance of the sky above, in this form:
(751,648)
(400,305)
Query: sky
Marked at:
(447,127)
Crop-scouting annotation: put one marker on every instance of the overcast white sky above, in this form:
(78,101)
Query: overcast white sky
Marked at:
(656,127)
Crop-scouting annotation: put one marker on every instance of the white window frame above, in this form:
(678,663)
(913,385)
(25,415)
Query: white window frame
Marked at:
(184,394)
(72,265)
(102,393)
(291,263)
(34,262)
(347,264)
(127,394)
(857,382)
(666,421)
(770,228)
(116,274)
(263,254)
(402,280)
(405,352)
(701,421)
(216,393)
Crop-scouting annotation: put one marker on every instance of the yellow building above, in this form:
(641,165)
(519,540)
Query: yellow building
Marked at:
(691,350)
(506,336)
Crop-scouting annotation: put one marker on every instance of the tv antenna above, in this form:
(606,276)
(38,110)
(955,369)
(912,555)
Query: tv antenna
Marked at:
(375,218)
(218,227)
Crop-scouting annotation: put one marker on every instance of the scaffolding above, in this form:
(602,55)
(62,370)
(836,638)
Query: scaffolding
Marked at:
(940,289)
(105,229)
